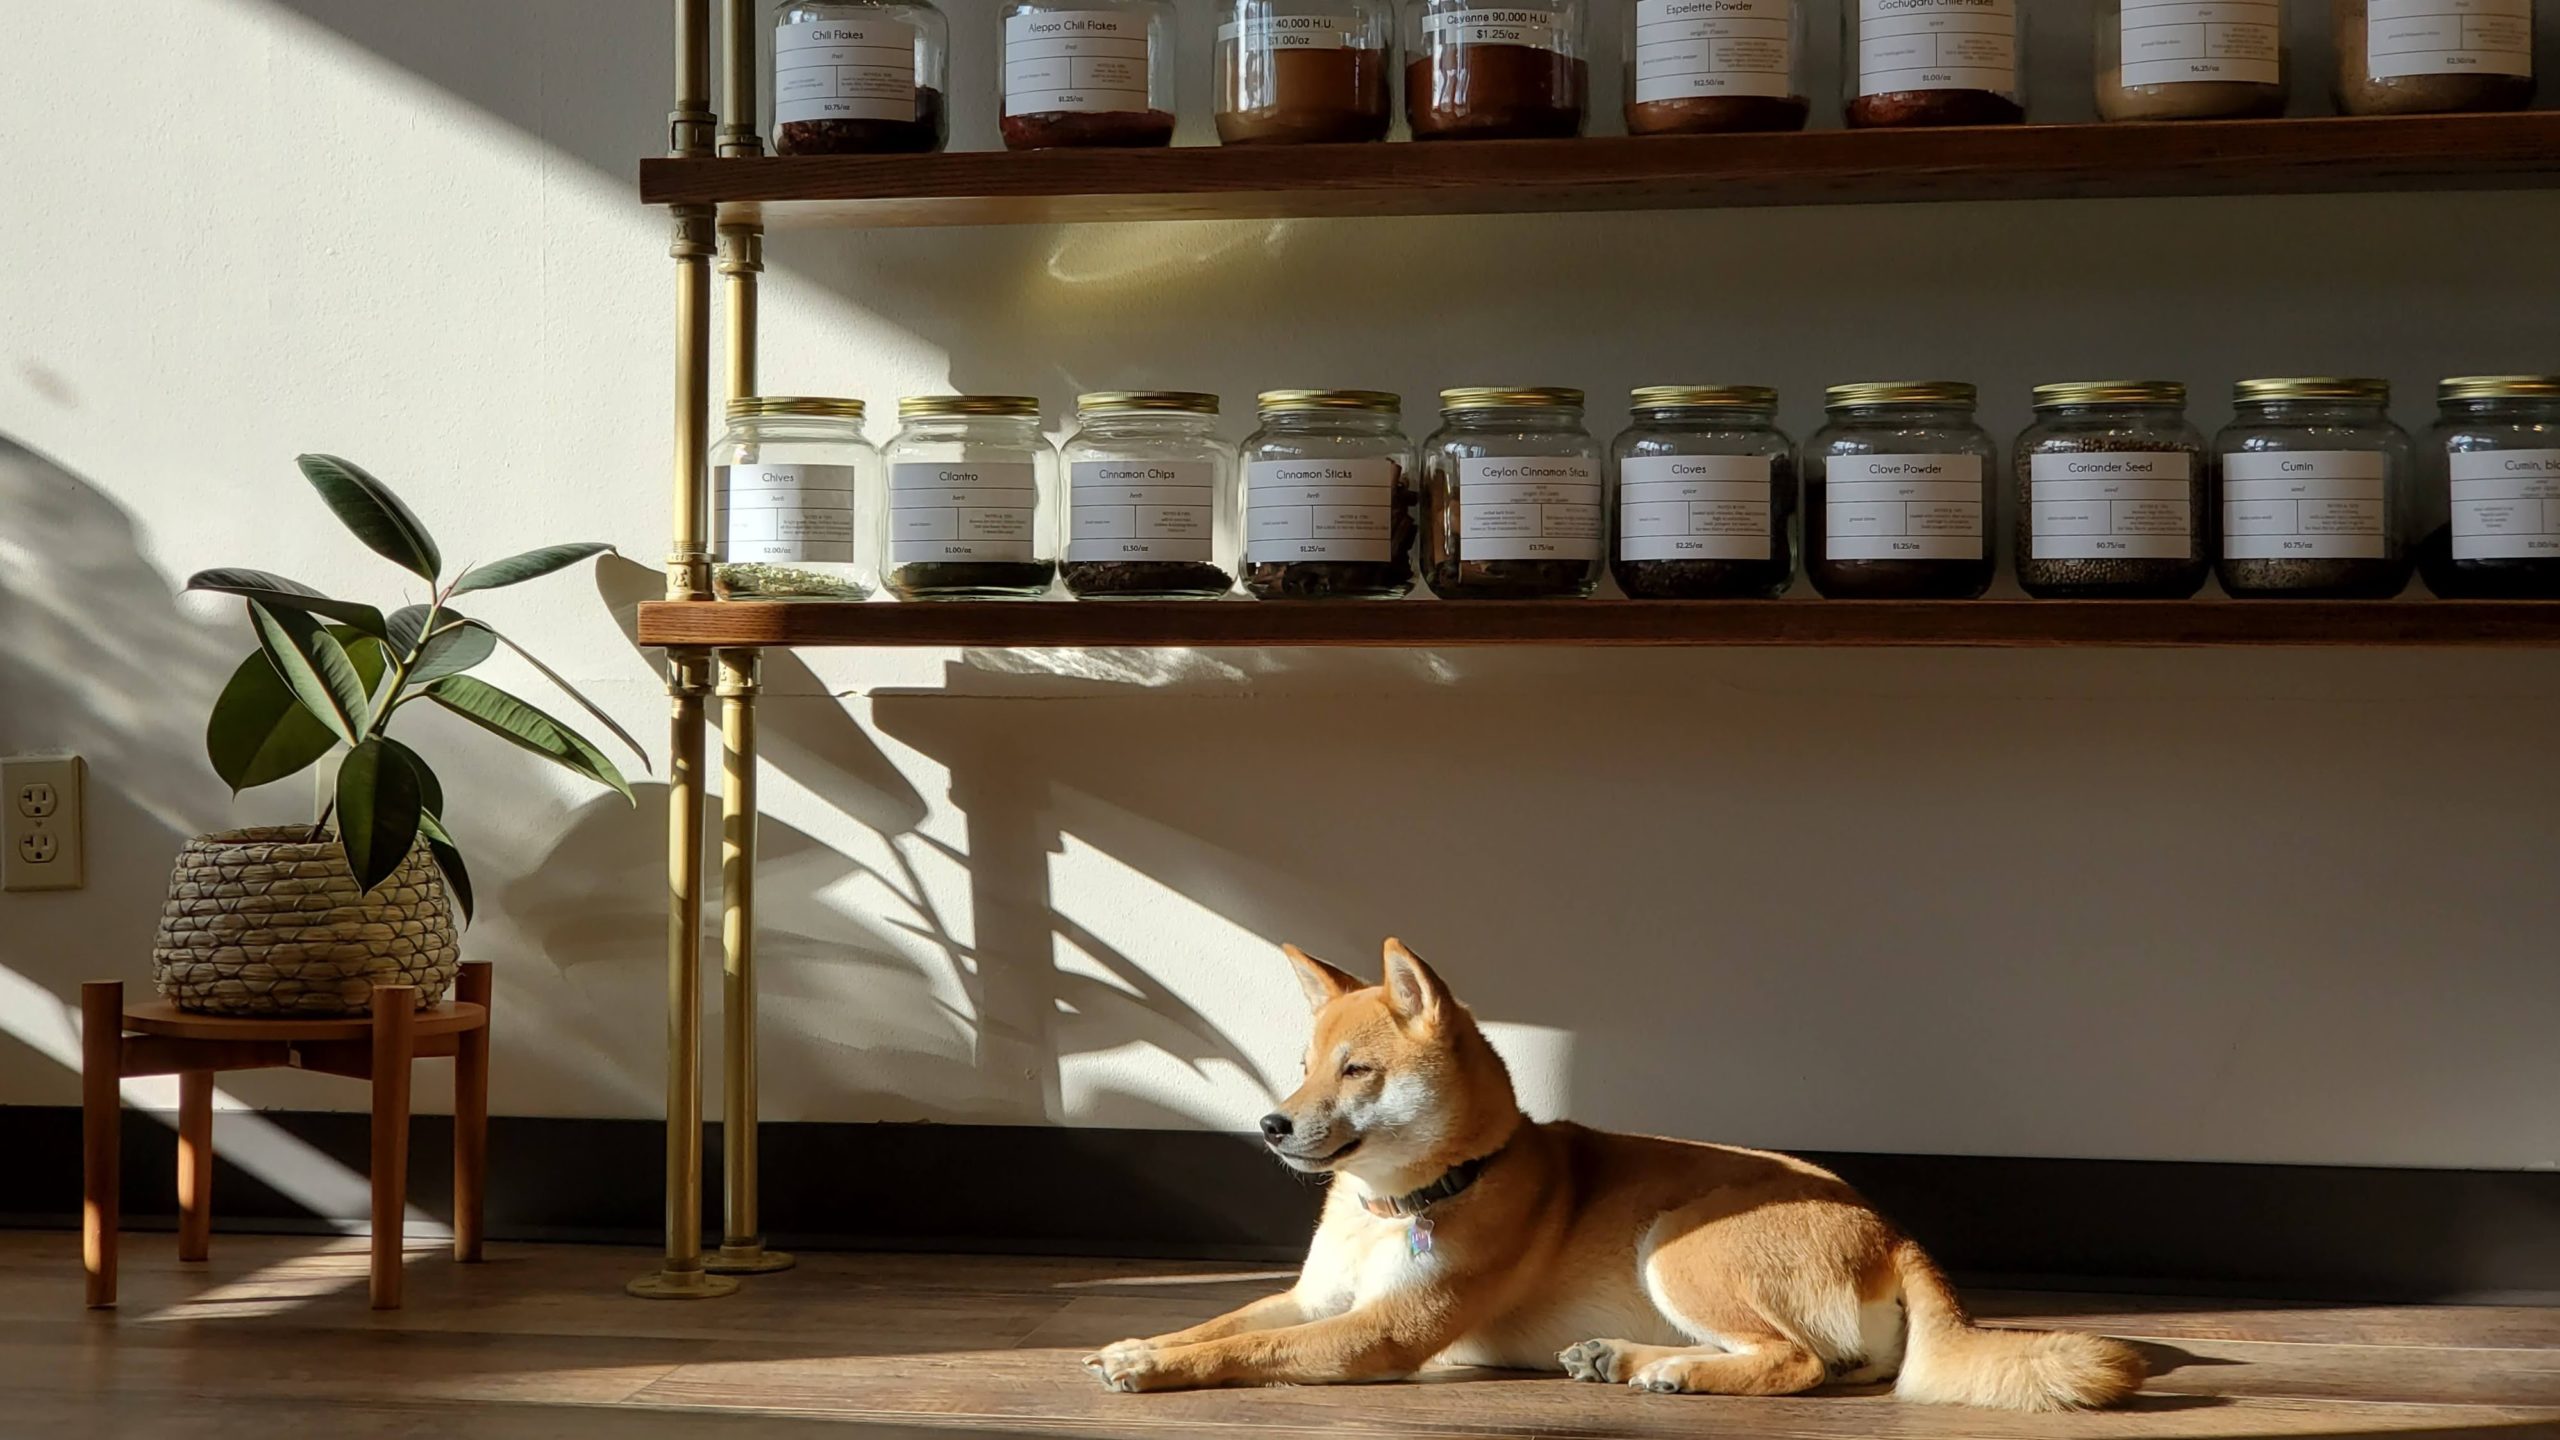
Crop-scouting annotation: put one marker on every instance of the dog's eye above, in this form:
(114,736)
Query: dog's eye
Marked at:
(1353,1070)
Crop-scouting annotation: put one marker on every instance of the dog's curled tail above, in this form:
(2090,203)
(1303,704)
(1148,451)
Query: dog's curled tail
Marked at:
(1948,1360)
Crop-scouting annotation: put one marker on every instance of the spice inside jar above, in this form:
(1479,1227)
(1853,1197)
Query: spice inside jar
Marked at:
(1897,494)
(2314,477)
(795,501)
(1096,73)
(860,77)
(1513,497)
(1496,72)
(1706,495)
(2492,468)
(2180,60)
(1701,67)
(1149,513)
(2433,56)
(2113,489)
(1330,503)
(965,479)
(1934,62)
(1304,72)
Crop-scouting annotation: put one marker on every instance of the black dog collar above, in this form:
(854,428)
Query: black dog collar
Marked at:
(1452,1183)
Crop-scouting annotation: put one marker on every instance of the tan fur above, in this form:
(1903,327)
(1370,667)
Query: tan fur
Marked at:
(1666,1265)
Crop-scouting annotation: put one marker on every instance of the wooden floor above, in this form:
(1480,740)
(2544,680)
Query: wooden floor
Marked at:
(272,1340)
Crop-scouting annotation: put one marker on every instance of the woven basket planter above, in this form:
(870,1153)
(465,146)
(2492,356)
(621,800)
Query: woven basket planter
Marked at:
(266,922)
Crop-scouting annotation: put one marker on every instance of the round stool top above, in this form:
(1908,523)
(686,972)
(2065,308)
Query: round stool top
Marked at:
(159,1017)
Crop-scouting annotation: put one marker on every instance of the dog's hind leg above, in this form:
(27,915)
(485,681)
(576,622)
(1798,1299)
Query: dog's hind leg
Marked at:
(1766,1365)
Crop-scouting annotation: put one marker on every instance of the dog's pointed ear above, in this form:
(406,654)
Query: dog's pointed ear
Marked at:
(1322,982)
(1414,993)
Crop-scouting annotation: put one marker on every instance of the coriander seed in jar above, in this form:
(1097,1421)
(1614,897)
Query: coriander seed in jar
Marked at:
(2114,494)
(795,501)
(1150,498)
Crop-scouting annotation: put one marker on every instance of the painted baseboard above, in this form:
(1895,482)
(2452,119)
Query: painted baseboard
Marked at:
(2289,1230)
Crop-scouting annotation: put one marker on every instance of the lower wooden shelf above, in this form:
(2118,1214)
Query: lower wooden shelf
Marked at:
(2003,624)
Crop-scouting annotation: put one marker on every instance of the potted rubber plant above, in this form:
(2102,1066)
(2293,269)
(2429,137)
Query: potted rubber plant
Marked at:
(305,920)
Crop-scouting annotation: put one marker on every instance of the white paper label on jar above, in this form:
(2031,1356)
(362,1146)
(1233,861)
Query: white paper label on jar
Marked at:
(1902,507)
(2506,505)
(2304,505)
(1694,507)
(1295,32)
(962,510)
(1141,509)
(2111,506)
(1937,45)
(1686,48)
(1075,60)
(1529,507)
(2448,37)
(1495,25)
(844,70)
(2173,42)
(1319,510)
(789,513)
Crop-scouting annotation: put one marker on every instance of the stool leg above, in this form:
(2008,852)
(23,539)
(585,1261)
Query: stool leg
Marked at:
(195,1164)
(101,1074)
(471,1119)
(395,1026)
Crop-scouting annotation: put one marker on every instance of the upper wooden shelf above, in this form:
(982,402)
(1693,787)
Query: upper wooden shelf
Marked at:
(2001,624)
(1821,167)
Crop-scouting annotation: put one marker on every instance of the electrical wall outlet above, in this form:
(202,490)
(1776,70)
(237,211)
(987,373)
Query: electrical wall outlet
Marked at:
(40,816)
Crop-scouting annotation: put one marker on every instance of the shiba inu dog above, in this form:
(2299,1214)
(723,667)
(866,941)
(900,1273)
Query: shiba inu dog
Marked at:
(1459,1230)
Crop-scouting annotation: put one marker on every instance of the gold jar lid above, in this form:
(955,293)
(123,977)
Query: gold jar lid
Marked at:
(1939,394)
(1702,397)
(2499,387)
(756,407)
(2111,392)
(2312,387)
(1016,407)
(1510,397)
(1376,402)
(1183,402)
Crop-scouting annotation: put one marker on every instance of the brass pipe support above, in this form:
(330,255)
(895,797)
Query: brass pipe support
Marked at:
(742,1249)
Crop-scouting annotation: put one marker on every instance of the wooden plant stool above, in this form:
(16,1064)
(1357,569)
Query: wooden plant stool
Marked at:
(157,1038)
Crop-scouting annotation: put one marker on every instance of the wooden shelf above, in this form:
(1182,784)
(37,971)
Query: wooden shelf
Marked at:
(1822,167)
(2002,624)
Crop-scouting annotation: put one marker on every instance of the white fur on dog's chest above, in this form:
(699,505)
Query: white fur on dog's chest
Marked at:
(1363,1261)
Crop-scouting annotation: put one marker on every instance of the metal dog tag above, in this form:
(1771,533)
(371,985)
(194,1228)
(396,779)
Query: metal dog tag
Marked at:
(1417,1236)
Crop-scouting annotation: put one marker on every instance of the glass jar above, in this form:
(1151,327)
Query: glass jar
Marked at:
(1329,498)
(795,501)
(1897,494)
(2493,475)
(1514,499)
(1087,72)
(2315,478)
(860,77)
(2114,494)
(1702,67)
(2184,60)
(1478,71)
(1305,72)
(1706,495)
(968,478)
(1933,62)
(1150,498)
(2451,55)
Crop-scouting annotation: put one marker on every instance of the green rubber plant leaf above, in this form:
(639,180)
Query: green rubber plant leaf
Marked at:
(495,710)
(367,507)
(571,691)
(259,733)
(430,789)
(283,594)
(530,565)
(315,667)
(453,649)
(449,860)
(378,811)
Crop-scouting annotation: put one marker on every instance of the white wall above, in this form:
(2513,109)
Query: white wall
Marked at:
(2232,906)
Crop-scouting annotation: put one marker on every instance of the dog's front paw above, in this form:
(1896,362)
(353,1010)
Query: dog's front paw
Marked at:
(1592,1360)
(1125,1366)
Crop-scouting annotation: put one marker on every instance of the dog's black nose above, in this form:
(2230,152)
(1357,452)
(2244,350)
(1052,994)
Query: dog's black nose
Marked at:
(1276,1127)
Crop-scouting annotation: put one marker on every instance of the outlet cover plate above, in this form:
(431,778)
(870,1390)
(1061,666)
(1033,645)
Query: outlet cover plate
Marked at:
(40,830)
